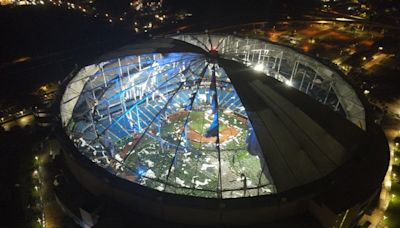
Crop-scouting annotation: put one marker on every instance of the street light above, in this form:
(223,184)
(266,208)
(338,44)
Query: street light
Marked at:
(388,184)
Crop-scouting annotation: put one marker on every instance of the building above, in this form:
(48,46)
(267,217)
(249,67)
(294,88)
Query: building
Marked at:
(222,130)
(6,2)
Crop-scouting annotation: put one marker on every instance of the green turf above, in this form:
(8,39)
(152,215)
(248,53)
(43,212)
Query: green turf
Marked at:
(196,155)
(197,122)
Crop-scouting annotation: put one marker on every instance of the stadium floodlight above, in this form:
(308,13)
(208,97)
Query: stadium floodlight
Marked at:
(289,83)
(259,67)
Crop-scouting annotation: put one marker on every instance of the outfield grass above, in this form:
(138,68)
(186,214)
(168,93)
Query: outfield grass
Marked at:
(197,121)
(189,164)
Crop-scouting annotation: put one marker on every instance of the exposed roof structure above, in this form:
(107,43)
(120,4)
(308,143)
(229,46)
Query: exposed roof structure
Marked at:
(197,120)
(289,66)
(301,139)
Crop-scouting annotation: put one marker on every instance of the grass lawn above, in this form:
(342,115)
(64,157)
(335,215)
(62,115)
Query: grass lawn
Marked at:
(393,211)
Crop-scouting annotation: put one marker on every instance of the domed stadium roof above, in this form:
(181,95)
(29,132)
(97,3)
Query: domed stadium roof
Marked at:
(195,117)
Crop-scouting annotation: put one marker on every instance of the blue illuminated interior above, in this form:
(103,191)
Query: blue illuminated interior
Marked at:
(172,122)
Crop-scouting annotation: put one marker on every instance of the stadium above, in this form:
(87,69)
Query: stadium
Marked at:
(223,130)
